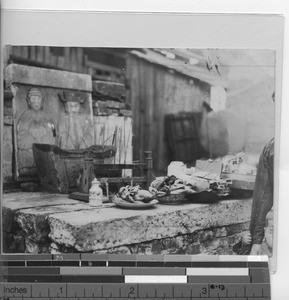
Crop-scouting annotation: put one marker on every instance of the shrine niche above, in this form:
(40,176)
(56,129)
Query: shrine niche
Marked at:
(49,107)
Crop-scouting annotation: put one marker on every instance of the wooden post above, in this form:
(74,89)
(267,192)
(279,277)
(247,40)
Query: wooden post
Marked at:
(149,168)
(87,175)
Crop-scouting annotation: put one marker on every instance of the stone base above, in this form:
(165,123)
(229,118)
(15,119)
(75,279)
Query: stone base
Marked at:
(213,241)
(47,223)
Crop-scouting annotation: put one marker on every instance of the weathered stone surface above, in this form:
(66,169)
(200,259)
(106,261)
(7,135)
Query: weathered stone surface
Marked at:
(36,247)
(102,90)
(31,247)
(13,243)
(18,201)
(209,241)
(47,78)
(34,220)
(24,219)
(44,223)
(106,228)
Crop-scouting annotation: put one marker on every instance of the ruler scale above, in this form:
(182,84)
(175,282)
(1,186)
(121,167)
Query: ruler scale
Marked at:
(105,277)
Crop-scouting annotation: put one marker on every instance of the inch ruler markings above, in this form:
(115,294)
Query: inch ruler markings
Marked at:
(120,291)
(134,277)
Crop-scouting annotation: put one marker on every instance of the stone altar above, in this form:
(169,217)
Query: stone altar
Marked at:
(50,223)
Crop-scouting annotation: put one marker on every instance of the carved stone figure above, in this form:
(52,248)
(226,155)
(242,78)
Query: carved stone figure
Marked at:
(75,129)
(33,126)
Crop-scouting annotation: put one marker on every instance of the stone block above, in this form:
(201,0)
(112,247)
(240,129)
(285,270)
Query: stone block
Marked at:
(18,201)
(103,90)
(34,220)
(31,223)
(106,228)
(219,246)
(47,78)
(111,104)
(125,112)
(45,223)
(206,241)
(106,108)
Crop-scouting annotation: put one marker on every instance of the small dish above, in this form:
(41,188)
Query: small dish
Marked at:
(136,205)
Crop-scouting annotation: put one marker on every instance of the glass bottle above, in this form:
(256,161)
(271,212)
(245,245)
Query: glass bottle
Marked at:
(95,193)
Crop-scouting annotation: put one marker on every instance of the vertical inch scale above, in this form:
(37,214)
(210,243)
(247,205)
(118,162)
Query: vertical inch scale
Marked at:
(154,277)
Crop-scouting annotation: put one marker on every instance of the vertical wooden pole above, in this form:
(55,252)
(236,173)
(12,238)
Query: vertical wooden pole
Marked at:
(149,167)
(87,175)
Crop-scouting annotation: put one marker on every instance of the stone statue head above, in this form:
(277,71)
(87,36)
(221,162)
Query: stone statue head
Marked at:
(72,101)
(34,99)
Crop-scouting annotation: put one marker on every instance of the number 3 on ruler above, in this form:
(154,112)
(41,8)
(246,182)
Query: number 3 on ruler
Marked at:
(204,290)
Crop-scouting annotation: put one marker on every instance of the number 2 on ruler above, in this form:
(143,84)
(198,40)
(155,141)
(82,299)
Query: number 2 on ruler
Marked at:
(131,290)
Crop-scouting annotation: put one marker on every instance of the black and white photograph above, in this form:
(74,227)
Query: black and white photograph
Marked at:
(138,150)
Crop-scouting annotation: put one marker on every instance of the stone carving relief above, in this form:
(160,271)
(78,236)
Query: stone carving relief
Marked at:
(49,107)
(75,128)
(33,126)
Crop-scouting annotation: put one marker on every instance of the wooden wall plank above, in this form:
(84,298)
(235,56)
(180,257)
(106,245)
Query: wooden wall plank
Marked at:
(154,92)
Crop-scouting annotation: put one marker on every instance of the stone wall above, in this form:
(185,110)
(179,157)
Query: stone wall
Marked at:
(47,223)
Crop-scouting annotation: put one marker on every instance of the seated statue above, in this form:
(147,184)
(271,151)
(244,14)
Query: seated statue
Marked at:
(33,126)
(75,129)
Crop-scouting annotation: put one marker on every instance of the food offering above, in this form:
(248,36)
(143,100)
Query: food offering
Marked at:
(172,190)
(134,197)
